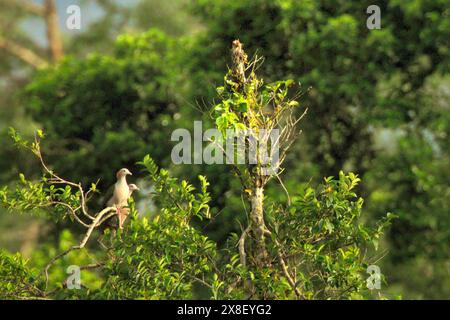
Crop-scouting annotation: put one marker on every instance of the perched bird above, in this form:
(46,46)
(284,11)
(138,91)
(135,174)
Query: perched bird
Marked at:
(121,191)
(132,187)
(124,210)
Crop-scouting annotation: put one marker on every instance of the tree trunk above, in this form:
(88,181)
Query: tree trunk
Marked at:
(258,226)
(53,32)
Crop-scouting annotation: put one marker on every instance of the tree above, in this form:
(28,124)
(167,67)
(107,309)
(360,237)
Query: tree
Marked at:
(21,22)
(48,13)
(327,46)
(415,187)
(309,248)
(256,116)
(368,87)
(107,108)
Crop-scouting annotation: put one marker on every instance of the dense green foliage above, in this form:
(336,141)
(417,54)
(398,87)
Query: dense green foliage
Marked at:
(16,280)
(313,249)
(107,108)
(165,257)
(364,83)
(325,45)
(378,106)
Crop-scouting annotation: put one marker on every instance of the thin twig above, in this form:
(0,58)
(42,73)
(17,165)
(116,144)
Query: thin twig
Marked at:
(284,268)
(241,245)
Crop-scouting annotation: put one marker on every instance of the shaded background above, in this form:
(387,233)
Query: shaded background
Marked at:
(113,91)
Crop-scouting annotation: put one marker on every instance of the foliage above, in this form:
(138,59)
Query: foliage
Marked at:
(324,243)
(330,238)
(163,257)
(416,188)
(327,46)
(364,83)
(169,254)
(319,238)
(65,199)
(411,179)
(16,279)
(107,108)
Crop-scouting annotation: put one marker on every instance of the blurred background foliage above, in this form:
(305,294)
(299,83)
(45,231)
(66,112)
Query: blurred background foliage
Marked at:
(378,106)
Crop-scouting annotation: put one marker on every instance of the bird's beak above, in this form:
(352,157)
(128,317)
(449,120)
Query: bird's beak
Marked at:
(129,173)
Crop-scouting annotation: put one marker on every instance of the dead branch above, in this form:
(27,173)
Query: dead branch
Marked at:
(241,245)
(55,179)
(92,266)
(83,242)
(24,54)
(285,189)
(28,6)
(96,220)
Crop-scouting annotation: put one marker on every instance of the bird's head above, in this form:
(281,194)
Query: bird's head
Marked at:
(123,173)
(133,187)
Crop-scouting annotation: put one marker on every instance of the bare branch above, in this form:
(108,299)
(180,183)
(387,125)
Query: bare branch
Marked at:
(55,179)
(71,210)
(83,242)
(92,266)
(284,188)
(29,6)
(22,53)
(241,245)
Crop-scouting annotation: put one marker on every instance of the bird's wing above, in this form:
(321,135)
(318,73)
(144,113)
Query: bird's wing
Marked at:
(110,202)
(108,197)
